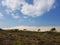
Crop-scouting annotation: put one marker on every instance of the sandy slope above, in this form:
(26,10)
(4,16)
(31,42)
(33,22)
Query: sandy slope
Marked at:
(35,28)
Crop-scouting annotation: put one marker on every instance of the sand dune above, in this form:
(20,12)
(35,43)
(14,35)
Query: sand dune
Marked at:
(35,28)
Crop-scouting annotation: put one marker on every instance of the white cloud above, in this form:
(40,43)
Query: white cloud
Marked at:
(15,16)
(38,8)
(25,17)
(8,11)
(12,4)
(1,15)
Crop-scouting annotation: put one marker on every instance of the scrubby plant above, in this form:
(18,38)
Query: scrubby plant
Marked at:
(24,29)
(1,29)
(17,42)
(53,29)
(16,30)
(38,30)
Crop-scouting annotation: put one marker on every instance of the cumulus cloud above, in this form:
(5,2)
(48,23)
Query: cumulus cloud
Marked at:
(12,4)
(15,16)
(8,11)
(38,8)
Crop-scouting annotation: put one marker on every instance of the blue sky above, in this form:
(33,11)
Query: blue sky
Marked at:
(29,13)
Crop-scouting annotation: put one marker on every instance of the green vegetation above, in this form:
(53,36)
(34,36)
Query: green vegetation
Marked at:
(16,30)
(16,37)
(53,29)
(17,42)
(1,29)
(38,30)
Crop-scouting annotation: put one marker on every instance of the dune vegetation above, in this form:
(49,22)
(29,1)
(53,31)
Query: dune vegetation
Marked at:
(19,37)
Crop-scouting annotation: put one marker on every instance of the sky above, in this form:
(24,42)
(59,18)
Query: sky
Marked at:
(29,13)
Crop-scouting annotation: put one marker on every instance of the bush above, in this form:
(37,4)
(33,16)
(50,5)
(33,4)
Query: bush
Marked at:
(1,29)
(25,29)
(38,30)
(53,30)
(16,30)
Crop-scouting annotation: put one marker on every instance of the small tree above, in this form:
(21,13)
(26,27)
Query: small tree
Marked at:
(38,30)
(53,29)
